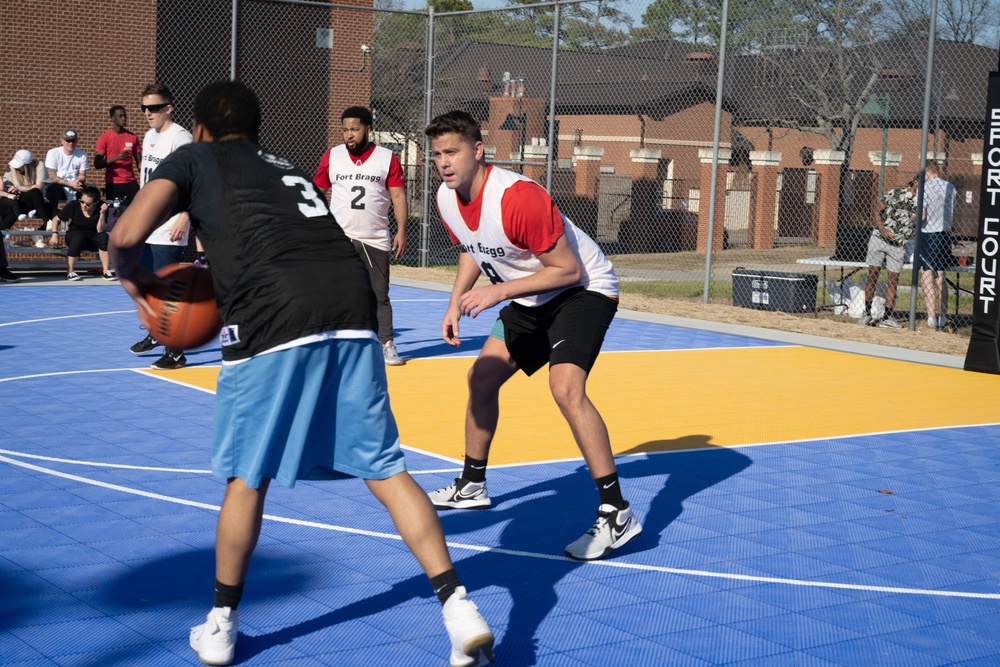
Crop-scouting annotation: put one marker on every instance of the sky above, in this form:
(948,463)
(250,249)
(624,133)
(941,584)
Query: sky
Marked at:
(634,7)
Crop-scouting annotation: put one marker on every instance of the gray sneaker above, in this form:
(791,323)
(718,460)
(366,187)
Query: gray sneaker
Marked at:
(391,356)
(614,528)
(889,323)
(866,320)
(462,495)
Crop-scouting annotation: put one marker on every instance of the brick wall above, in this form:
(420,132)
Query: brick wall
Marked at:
(64,67)
(68,61)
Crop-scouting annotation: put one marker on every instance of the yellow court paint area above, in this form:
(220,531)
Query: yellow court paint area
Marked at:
(656,401)
(199,376)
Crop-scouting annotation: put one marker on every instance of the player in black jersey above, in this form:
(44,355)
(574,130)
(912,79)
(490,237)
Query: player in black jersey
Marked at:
(299,329)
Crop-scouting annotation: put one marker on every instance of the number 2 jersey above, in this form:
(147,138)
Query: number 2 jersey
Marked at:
(359,191)
(282,267)
(510,223)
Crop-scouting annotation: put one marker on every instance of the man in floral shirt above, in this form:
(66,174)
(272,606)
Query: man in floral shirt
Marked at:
(886,248)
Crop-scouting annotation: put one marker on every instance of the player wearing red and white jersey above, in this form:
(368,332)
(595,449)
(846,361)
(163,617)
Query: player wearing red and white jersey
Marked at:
(362,179)
(565,295)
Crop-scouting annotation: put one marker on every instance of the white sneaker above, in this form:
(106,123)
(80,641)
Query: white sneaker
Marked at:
(40,243)
(74,276)
(866,320)
(23,216)
(889,323)
(215,640)
(391,356)
(614,528)
(462,495)
(471,637)
(31,213)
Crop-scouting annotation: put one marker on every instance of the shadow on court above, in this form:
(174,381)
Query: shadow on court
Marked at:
(439,348)
(546,516)
(541,517)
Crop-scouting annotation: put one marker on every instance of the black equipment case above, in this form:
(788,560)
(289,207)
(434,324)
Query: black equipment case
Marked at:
(774,290)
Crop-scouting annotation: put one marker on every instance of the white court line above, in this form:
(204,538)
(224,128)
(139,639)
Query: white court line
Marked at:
(66,317)
(58,373)
(101,464)
(526,554)
(97,464)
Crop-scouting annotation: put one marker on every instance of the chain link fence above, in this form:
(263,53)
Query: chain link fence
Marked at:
(614,106)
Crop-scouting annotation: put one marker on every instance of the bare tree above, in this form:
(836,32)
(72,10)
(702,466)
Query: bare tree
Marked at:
(974,21)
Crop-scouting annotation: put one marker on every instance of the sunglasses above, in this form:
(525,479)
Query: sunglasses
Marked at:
(88,204)
(153,108)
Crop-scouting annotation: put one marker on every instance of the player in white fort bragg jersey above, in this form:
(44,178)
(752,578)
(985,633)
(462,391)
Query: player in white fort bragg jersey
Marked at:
(362,179)
(565,295)
(166,244)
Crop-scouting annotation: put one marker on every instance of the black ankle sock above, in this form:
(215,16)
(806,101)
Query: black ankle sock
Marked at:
(445,584)
(610,490)
(227,596)
(475,470)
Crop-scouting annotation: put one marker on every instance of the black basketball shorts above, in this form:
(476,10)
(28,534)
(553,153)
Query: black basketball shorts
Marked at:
(569,329)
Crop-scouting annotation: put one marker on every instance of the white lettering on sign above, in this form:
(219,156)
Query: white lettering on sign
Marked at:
(989,247)
(989,241)
(988,286)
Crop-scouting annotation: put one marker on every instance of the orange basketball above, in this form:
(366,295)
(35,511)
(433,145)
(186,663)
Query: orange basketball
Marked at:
(187,314)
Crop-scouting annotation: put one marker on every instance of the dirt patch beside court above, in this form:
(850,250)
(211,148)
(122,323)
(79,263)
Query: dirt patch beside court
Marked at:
(826,324)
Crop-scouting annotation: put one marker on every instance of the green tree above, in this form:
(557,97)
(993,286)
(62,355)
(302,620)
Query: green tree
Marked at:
(581,27)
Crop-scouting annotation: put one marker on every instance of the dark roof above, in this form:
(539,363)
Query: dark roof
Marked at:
(659,78)
(588,82)
(768,86)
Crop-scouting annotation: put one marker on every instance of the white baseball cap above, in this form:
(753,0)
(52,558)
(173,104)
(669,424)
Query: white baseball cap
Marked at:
(21,158)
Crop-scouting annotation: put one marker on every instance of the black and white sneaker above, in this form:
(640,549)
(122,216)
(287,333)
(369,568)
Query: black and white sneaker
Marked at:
(462,495)
(171,360)
(144,345)
(109,276)
(7,277)
(614,528)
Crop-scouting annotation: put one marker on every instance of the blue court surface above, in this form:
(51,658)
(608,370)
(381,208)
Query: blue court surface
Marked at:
(878,548)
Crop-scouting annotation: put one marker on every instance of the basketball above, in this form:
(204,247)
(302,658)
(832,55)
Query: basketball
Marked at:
(187,314)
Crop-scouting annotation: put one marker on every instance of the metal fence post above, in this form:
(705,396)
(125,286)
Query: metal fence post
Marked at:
(924,129)
(429,92)
(234,37)
(552,101)
(715,151)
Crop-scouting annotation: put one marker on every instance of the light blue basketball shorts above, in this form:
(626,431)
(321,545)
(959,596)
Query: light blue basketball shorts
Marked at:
(315,411)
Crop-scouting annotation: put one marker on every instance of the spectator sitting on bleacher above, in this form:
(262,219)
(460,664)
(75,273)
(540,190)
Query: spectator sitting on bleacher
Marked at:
(85,231)
(67,167)
(9,210)
(27,176)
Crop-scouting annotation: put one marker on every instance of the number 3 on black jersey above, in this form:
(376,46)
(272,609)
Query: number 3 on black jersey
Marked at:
(314,206)
(491,273)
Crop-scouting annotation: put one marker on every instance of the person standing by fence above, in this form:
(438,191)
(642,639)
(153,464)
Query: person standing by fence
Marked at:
(935,243)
